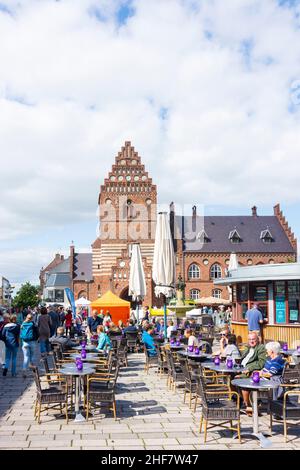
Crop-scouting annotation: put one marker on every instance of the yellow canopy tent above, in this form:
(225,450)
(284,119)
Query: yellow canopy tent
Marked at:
(119,309)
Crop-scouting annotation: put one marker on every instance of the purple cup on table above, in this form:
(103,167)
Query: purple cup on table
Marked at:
(79,364)
(83,353)
(255,377)
(197,351)
(172,340)
(217,361)
(298,349)
(285,347)
(229,363)
(191,349)
(177,343)
(83,344)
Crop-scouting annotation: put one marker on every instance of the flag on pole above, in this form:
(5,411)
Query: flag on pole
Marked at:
(71,299)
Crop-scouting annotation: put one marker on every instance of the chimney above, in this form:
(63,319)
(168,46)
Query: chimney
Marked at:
(62,257)
(172,219)
(194,217)
(57,256)
(254,211)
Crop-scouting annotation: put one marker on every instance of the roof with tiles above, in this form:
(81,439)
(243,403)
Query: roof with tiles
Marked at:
(219,228)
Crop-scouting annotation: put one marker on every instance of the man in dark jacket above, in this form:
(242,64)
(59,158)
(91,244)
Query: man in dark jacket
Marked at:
(131,328)
(62,339)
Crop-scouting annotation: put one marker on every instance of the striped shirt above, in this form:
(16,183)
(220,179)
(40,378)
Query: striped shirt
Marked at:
(274,366)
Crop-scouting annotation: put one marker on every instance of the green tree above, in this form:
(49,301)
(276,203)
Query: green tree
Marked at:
(27,296)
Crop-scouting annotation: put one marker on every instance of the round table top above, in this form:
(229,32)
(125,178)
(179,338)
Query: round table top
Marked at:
(88,347)
(71,369)
(89,356)
(192,355)
(290,352)
(223,368)
(264,384)
(173,346)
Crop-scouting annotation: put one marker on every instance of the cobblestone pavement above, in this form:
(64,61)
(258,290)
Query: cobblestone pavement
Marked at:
(149,417)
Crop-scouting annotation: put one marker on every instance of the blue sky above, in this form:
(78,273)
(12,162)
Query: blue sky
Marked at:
(208,92)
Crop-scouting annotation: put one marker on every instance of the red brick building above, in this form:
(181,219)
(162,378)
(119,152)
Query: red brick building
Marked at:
(127,214)
(204,244)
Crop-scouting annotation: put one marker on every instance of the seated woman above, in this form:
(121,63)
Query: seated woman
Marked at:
(148,340)
(104,341)
(274,366)
(230,349)
(114,330)
(192,340)
(272,370)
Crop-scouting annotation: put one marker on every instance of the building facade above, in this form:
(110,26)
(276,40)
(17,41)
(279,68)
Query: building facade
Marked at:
(276,290)
(203,244)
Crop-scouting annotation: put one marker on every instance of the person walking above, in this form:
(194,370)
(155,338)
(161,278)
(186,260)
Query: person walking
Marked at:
(55,320)
(78,323)
(4,319)
(68,322)
(29,336)
(10,336)
(255,320)
(44,324)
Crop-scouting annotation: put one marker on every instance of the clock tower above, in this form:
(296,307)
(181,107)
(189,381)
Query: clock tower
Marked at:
(127,214)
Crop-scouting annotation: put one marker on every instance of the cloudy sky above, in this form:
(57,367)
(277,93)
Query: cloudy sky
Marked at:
(208,91)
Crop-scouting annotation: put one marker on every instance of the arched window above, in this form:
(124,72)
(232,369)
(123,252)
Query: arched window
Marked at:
(194,271)
(195,294)
(217,293)
(82,293)
(215,271)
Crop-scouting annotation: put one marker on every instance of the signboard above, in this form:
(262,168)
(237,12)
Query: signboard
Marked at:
(280,309)
(294,315)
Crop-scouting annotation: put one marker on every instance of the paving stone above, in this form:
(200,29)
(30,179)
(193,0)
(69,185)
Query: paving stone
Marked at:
(125,442)
(90,442)
(8,444)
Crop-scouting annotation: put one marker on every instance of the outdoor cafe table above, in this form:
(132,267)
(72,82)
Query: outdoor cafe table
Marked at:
(71,370)
(264,384)
(89,357)
(290,352)
(88,347)
(173,347)
(197,357)
(222,368)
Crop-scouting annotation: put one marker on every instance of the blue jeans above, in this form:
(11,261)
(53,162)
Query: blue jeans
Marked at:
(44,346)
(11,355)
(28,353)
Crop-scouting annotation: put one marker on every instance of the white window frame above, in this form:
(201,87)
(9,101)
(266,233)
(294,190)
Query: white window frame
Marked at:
(218,292)
(213,270)
(192,271)
(195,294)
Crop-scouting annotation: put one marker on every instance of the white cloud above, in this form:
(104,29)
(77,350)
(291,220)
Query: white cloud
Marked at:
(73,88)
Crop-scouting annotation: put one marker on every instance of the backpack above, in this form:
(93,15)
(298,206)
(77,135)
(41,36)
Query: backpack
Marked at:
(27,332)
(36,333)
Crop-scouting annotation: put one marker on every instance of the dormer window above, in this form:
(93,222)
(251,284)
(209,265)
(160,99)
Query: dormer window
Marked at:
(202,236)
(266,236)
(234,236)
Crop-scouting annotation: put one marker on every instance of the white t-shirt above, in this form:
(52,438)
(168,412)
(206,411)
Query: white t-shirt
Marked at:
(193,341)
(169,330)
(248,357)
